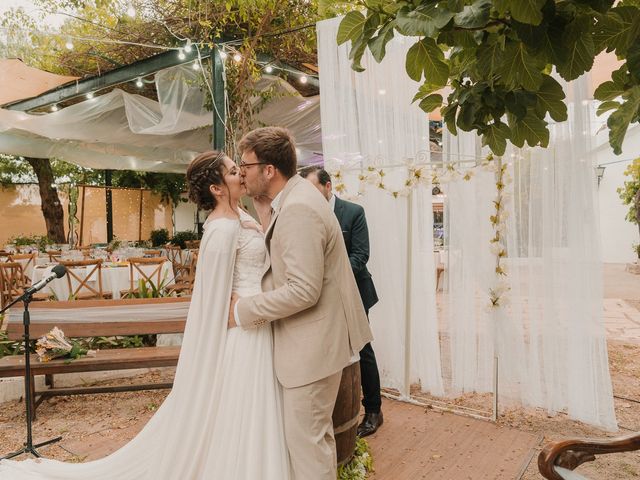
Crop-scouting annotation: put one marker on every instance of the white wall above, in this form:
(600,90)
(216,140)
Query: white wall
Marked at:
(184,216)
(617,234)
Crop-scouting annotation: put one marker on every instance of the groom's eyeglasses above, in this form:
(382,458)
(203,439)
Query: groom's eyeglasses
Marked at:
(245,165)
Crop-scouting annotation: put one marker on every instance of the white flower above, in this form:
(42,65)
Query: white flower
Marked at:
(496,248)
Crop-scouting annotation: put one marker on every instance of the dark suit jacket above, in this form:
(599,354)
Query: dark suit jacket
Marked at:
(356,238)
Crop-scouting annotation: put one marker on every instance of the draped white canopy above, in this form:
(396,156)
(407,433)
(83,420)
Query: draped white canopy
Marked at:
(120,130)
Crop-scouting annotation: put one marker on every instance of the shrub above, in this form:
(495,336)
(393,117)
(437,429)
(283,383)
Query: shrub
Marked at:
(181,237)
(159,237)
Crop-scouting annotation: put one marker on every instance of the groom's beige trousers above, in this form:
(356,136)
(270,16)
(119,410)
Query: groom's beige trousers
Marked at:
(309,428)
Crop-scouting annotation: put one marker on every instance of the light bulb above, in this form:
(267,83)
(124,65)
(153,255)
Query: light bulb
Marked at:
(181,54)
(223,54)
(382,91)
(195,65)
(139,83)
(268,69)
(303,79)
(237,57)
(69,44)
(131,11)
(90,96)
(187,46)
(54,108)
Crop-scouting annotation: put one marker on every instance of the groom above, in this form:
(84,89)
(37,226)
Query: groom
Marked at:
(310,295)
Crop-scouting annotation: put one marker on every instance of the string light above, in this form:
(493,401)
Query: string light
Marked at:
(303,79)
(131,11)
(268,69)
(54,108)
(223,54)
(237,57)
(195,65)
(139,83)
(187,46)
(181,54)
(69,44)
(382,91)
(90,96)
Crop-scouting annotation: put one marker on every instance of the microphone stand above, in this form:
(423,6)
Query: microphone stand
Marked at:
(29,447)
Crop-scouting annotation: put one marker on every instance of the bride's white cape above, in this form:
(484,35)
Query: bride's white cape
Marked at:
(223,416)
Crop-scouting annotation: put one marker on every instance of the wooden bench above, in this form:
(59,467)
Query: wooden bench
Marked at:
(109,359)
(557,460)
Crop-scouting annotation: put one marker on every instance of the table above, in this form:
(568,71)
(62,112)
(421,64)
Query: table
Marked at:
(115,278)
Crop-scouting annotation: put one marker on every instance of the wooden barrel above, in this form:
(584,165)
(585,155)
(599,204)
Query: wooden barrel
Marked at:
(346,413)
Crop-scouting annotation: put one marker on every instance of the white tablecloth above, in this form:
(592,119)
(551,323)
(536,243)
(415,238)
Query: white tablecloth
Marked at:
(114,279)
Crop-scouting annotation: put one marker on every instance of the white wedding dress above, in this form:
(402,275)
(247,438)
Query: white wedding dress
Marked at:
(223,418)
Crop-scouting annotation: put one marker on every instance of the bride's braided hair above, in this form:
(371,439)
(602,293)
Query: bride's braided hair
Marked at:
(205,170)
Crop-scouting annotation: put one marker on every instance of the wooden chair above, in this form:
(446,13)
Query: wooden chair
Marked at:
(54,255)
(28,262)
(86,251)
(151,276)
(152,253)
(4,256)
(12,283)
(83,290)
(176,257)
(557,460)
(192,244)
(186,285)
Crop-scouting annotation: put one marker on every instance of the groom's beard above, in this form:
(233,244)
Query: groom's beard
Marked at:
(259,187)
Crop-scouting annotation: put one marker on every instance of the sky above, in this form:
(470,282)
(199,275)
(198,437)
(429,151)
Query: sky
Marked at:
(30,8)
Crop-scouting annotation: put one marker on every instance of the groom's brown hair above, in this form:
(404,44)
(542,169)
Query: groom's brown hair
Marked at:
(272,145)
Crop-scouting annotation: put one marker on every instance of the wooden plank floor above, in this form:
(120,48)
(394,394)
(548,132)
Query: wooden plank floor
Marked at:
(418,443)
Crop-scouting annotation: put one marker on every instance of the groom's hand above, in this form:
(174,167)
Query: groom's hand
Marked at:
(232,306)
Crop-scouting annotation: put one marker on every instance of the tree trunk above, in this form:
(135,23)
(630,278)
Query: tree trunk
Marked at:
(51,206)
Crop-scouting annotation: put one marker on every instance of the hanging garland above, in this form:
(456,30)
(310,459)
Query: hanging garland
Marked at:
(431,175)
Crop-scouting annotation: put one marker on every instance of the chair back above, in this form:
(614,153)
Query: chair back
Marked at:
(191,244)
(28,262)
(54,255)
(152,253)
(147,270)
(84,279)
(12,282)
(177,258)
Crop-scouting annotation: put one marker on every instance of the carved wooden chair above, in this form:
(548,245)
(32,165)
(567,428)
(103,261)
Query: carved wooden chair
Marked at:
(558,460)
(12,283)
(84,279)
(147,271)
(28,262)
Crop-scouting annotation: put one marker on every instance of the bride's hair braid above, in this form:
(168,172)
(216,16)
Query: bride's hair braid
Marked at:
(205,170)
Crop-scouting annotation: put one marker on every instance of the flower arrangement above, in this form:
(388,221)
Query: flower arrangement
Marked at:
(55,345)
(360,465)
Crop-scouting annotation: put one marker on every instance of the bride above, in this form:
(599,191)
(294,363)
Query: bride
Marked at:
(223,417)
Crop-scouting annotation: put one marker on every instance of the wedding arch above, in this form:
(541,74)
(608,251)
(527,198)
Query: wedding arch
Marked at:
(521,315)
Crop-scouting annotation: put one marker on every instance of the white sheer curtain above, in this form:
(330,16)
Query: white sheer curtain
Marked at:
(368,121)
(549,337)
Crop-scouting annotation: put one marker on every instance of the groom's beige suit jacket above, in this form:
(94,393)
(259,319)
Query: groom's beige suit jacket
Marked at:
(309,290)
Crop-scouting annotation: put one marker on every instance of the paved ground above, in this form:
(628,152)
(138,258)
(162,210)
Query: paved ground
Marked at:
(621,304)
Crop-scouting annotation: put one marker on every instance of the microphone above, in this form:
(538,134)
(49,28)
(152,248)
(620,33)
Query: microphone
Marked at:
(58,271)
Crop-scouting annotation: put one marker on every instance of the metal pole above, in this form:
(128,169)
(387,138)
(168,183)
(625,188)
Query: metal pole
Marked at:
(219,107)
(406,388)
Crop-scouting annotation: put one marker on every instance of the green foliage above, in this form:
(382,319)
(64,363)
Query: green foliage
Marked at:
(360,465)
(500,54)
(159,237)
(629,193)
(181,237)
(41,241)
(636,248)
(8,347)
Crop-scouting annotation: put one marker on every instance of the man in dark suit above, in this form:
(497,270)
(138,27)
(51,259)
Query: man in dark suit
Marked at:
(356,238)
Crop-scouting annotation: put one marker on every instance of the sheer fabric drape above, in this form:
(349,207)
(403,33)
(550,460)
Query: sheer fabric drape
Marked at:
(549,333)
(368,121)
